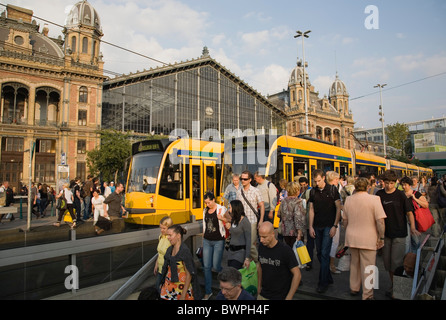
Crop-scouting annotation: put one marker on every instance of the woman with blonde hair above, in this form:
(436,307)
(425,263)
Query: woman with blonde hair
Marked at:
(68,197)
(292,214)
(163,244)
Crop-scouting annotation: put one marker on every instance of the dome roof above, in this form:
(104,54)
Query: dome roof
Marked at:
(83,13)
(338,87)
(296,76)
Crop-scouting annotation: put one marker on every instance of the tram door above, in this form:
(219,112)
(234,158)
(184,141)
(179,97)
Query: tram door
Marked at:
(300,164)
(337,167)
(209,179)
(195,185)
(288,168)
(313,167)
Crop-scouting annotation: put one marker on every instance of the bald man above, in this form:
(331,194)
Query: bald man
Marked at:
(278,271)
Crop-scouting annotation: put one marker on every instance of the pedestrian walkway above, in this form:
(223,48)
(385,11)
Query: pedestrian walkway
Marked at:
(21,220)
(339,290)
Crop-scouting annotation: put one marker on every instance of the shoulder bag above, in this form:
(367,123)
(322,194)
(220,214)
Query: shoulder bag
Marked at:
(423,217)
(246,200)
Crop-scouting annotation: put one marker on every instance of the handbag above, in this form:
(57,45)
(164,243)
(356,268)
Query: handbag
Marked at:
(423,217)
(255,211)
(250,278)
(103,223)
(61,204)
(199,253)
(301,252)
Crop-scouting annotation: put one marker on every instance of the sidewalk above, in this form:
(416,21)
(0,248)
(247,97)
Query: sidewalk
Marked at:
(22,223)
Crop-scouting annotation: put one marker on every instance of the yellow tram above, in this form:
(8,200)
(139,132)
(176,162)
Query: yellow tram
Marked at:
(169,178)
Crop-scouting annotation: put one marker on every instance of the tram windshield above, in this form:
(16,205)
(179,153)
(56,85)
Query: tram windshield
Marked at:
(144,172)
(241,161)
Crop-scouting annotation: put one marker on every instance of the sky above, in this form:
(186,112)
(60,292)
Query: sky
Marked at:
(401,43)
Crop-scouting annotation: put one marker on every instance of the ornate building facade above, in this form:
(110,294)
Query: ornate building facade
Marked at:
(51,94)
(329,118)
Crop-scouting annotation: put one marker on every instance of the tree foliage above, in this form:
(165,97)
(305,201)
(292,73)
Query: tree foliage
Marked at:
(110,156)
(397,134)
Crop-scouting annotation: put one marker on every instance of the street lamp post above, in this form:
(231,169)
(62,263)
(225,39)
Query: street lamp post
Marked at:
(304,35)
(381,113)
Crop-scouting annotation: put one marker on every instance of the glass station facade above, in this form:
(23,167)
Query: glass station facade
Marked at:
(173,97)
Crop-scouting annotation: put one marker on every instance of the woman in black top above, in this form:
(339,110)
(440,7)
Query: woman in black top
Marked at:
(43,199)
(178,274)
(414,196)
(214,234)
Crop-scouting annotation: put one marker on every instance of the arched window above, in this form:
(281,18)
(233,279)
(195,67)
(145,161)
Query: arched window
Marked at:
(73,44)
(85,45)
(93,48)
(83,94)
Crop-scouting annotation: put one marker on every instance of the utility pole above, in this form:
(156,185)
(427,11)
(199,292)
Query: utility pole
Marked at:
(304,35)
(381,113)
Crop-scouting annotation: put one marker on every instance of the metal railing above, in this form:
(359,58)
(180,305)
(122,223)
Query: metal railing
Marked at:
(77,246)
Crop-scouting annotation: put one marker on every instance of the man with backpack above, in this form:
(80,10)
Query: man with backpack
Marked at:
(268,192)
(325,214)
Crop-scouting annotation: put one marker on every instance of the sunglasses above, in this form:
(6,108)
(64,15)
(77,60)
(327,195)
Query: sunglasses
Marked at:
(244,179)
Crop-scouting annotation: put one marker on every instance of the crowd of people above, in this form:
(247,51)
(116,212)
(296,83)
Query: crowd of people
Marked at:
(84,200)
(89,200)
(376,213)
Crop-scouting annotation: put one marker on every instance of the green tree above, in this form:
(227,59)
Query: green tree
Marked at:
(397,134)
(110,156)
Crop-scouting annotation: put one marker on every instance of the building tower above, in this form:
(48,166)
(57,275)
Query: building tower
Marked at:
(83,33)
(339,97)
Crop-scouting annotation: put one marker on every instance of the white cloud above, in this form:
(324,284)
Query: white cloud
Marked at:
(262,42)
(376,68)
(420,63)
(323,84)
(260,16)
(270,80)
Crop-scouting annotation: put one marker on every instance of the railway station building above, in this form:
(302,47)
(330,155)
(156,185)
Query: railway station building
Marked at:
(51,94)
(194,95)
(329,118)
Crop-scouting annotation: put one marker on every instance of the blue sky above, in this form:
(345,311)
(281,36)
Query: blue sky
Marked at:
(255,40)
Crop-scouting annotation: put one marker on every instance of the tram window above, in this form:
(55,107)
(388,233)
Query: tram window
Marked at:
(171,184)
(344,171)
(325,165)
(288,172)
(196,187)
(210,179)
(367,169)
(218,180)
(144,172)
(187,165)
(300,164)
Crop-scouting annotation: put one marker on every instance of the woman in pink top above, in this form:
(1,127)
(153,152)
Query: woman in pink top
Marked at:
(364,222)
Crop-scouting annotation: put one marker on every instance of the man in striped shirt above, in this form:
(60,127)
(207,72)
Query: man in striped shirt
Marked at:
(250,194)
